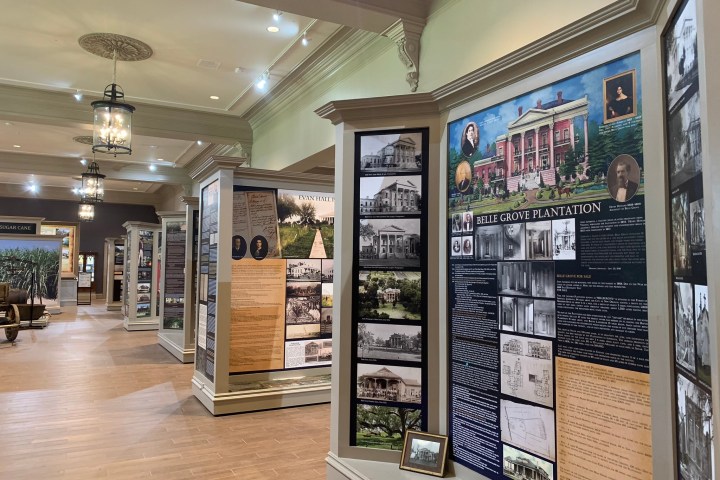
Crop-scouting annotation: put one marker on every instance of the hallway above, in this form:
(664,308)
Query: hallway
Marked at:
(84,399)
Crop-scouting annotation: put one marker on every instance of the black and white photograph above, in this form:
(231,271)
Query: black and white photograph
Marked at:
(563,234)
(327,295)
(303,270)
(684,147)
(543,279)
(390,242)
(528,427)
(456,247)
(327,273)
(544,318)
(143,287)
(489,243)
(467,224)
(623,178)
(382,427)
(514,278)
(684,330)
(326,319)
(516,314)
(518,465)
(526,368)
(143,298)
(702,333)
(392,153)
(681,56)
(539,244)
(389,383)
(694,431)
(456,223)
(514,241)
(390,195)
(302,310)
(424,453)
(304,330)
(389,295)
(303,289)
(383,341)
(697,225)
(680,213)
(467,245)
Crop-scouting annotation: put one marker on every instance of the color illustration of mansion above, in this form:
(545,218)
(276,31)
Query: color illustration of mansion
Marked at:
(386,385)
(394,196)
(523,469)
(400,154)
(535,145)
(392,242)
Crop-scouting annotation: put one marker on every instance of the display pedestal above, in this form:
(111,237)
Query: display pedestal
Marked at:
(140,297)
(114,261)
(68,291)
(172,335)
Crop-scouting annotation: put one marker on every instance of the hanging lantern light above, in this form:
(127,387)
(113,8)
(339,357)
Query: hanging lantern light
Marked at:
(112,124)
(93,185)
(86,212)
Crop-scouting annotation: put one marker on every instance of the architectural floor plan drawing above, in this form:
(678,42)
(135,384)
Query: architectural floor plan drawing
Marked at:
(528,427)
(526,368)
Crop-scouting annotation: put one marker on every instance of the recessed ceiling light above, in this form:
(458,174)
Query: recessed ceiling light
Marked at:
(8,124)
(273,29)
(161,159)
(199,142)
(135,188)
(83,161)
(152,168)
(78,95)
(304,41)
(33,188)
(214,97)
(17,146)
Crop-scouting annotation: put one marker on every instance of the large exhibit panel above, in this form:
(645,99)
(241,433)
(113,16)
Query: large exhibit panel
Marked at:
(140,299)
(114,263)
(171,334)
(547,283)
(70,234)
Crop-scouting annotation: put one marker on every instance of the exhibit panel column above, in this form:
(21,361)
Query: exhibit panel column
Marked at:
(192,221)
(171,335)
(114,261)
(140,305)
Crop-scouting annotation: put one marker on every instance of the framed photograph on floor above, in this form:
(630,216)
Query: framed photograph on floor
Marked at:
(424,453)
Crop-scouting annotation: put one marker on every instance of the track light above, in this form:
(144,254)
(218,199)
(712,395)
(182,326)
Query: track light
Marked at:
(277,15)
(78,95)
(305,40)
(262,81)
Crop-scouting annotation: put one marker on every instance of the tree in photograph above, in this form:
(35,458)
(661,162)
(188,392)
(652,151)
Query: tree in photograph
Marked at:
(365,338)
(387,420)
(410,296)
(307,213)
(366,231)
(286,207)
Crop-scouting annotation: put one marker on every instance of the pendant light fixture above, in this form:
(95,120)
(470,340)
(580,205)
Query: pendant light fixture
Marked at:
(86,211)
(93,184)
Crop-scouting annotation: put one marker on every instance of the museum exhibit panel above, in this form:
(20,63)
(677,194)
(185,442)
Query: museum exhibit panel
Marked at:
(141,282)
(265,289)
(70,233)
(114,262)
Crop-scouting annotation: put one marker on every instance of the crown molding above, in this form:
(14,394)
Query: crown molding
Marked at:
(201,161)
(11,190)
(170,213)
(212,164)
(419,104)
(190,201)
(145,225)
(284,178)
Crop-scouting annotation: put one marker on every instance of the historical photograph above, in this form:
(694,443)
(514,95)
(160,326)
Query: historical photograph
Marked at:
(538,237)
(456,222)
(302,310)
(684,147)
(544,318)
(528,427)
(424,453)
(684,331)
(384,341)
(392,153)
(463,177)
(318,351)
(327,295)
(619,95)
(489,243)
(516,314)
(305,330)
(306,223)
(697,225)
(390,243)
(389,383)
(694,430)
(519,465)
(390,195)
(389,295)
(143,310)
(467,246)
(456,247)
(327,274)
(303,289)
(563,232)
(526,368)
(681,56)
(326,319)
(543,279)
(467,225)
(303,270)
(702,333)
(623,178)
(384,427)
(680,213)
(514,241)
(514,278)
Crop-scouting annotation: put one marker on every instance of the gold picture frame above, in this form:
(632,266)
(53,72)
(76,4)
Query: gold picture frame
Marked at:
(424,453)
(70,234)
(619,97)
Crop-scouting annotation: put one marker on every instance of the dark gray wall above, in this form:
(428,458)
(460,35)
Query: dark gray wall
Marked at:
(109,218)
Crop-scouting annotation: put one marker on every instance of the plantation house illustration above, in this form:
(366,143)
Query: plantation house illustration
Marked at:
(535,145)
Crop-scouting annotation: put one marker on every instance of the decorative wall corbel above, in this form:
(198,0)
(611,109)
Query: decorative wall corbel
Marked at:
(406,35)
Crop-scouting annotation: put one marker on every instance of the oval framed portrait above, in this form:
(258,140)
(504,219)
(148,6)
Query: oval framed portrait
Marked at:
(623,178)
(463,176)
(259,247)
(469,139)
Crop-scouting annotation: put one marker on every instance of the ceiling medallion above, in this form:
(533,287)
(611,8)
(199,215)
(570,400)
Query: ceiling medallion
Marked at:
(128,49)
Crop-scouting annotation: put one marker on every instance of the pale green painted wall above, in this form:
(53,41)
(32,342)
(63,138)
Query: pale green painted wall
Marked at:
(460,37)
